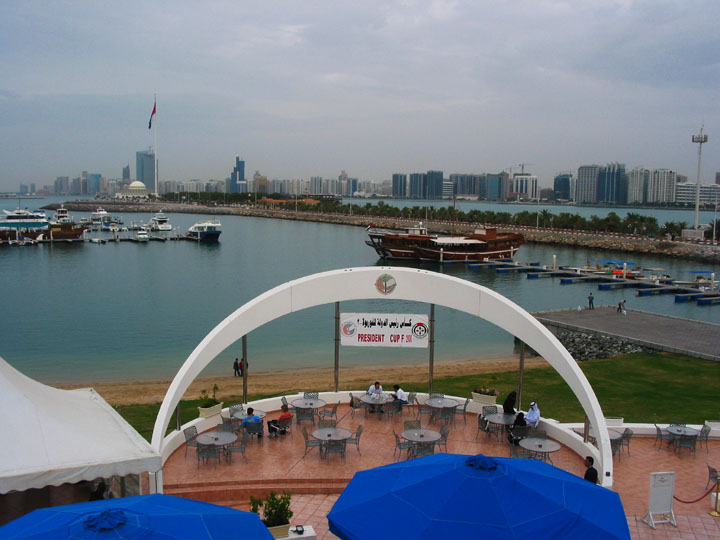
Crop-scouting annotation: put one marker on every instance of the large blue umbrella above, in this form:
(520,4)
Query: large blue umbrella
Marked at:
(456,496)
(146,517)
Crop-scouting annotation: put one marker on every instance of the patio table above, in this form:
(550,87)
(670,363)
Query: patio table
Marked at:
(540,446)
(218,438)
(503,419)
(332,434)
(302,403)
(614,435)
(368,398)
(421,435)
(242,415)
(682,430)
(441,403)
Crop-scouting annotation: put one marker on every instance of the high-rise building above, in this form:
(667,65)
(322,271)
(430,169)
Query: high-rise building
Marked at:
(237,175)
(145,168)
(497,186)
(561,186)
(717,178)
(62,185)
(93,184)
(685,192)
(126,172)
(23,189)
(587,184)
(661,186)
(474,185)
(32,188)
(524,186)
(418,186)
(316,185)
(399,186)
(434,185)
(612,184)
(638,185)
(448,190)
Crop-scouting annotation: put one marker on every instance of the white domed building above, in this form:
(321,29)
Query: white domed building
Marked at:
(133,191)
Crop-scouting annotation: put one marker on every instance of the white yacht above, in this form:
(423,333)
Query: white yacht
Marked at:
(160,222)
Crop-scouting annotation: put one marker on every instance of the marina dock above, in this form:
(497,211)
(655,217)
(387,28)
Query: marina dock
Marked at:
(657,332)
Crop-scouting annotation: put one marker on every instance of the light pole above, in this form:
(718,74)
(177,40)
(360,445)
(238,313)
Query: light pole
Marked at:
(700,140)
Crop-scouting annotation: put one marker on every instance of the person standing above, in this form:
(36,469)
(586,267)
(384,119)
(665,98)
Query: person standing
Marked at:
(621,307)
(241,365)
(591,301)
(509,403)
(236,368)
(591,474)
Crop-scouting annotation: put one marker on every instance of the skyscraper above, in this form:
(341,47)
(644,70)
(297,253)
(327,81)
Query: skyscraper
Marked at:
(561,186)
(638,185)
(418,186)
(399,186)
(497,186)
(587,184)
(145,168)
(661,186)
(612,184)
(126,172)
(434,185)
(237,175)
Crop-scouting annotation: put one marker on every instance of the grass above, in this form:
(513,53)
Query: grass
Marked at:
(642,387)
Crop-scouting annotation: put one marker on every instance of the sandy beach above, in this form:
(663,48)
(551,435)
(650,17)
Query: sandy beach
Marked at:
(290,381)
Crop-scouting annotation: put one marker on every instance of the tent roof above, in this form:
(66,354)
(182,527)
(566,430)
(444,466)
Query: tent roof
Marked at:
(52,436)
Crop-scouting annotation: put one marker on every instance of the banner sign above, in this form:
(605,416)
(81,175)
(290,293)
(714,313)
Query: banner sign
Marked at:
(384,330)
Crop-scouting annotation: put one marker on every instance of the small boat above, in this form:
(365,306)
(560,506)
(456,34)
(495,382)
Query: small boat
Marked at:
(205,231)
(22,222)
(62,226)
(100,216)
(160,222)
(142,235)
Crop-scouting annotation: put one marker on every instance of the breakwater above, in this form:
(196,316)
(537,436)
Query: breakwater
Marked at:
(705,253)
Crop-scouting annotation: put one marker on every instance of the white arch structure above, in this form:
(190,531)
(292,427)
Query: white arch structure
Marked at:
(410,284)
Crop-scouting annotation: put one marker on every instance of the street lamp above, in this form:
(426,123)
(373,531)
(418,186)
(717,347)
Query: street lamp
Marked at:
(700,140)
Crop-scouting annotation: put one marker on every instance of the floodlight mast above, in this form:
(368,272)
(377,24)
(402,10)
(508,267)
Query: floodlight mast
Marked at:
(700,140)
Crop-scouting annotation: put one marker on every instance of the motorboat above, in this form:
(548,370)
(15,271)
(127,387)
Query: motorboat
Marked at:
(205,231)
(142,235)
(160,222)
(100,216)
(22,222)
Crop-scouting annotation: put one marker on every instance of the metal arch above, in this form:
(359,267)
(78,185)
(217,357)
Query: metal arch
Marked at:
(411,284)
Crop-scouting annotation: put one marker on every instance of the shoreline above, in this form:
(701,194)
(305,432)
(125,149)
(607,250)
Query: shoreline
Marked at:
(135,392)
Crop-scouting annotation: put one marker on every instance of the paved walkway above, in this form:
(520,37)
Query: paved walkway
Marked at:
(659,332)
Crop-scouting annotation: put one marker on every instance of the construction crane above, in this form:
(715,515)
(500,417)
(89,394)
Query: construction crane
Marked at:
(522,167)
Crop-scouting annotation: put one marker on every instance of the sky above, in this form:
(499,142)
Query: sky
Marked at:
(302,89)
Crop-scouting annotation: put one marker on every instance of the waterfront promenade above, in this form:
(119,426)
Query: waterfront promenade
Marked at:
(651,330)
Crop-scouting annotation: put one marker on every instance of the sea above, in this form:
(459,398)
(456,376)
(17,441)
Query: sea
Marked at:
(89,312)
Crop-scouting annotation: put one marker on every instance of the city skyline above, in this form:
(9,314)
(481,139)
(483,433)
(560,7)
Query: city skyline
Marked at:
(374,89)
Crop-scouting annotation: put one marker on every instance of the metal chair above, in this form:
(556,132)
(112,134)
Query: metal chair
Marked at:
(311,395)
(517,434)
(687,441)
(395,407)
(447,414)
(540,433)
(191,434)
(463,410)
(254,428)
(330,412)
(436,395)
(356,439)
(411,424)
(228,428)
(235,408)
(411,398)
(704,436)
(284,401)
(357,405)
(444,433)
(489,409)
(336,447)
(624,440)
(660,436)
(424,409)
(285,424)
(206,452)
(401,445)
(712,475)
(238,447)
(677,422)
(327,423)
(487,427)
(311,443)
(302,413)
(420,449)
(520,453)
(226,419)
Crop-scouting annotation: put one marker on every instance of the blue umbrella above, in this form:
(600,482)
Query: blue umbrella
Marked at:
(146,517)
(457,496)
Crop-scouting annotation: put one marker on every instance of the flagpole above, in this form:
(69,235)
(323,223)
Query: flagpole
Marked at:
(157,180)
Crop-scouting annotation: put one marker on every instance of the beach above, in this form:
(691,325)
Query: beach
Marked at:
(294,380)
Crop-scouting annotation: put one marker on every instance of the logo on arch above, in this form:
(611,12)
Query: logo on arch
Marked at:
(385,284)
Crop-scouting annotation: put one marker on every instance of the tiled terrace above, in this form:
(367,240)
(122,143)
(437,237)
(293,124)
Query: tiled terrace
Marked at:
(278,463)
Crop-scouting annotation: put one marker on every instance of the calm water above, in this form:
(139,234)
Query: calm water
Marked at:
(123,311)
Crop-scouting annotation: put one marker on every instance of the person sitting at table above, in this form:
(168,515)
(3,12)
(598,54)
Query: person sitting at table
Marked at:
(375,389)
(399,394)
(274,425)
(533,415)
(591,474)
(509,403)
(519,421)
(251,418)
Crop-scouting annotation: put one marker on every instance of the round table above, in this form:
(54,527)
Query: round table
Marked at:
(682,430)
(505,419)
(614,435)
(332,434)
(441,403)
(540,446)
(302,403)
(218,438)
(421,435)
(370,400)
(242,415)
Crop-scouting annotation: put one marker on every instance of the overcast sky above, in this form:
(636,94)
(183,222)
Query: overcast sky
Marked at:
(309,88)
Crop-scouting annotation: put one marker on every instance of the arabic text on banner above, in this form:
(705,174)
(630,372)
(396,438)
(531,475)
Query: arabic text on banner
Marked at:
(384,330)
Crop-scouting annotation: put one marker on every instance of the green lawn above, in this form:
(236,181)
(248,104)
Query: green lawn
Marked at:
(643,387)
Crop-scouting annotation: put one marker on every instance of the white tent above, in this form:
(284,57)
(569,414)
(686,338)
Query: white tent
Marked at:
(51,436)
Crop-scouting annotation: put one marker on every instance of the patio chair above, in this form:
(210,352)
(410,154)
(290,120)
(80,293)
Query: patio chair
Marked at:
(703,436)
(335,447)
(411,398)
(395,407)
(712,475)
(302,413)
(357,405)
(686,441)
(255,428)
(327,423)
(238,447)
(284,401)
(487,427)
(311,395)
(206,452)
(329,412)
(518,433)
(520,453)
(235,408)
(401,445)
(285,424)
(447,414)
(420,449)
(424,409)
(311,443)
(190,434)
(356,439)
(625,439)
(463,410)
(436,395)
(489,409)
(228,428)
(538,433)
(444,433)
(411,424)
(226,419)
(660,436)
(677,422)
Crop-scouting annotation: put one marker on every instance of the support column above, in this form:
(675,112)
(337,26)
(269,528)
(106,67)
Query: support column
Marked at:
(586,430)
(245,367)
(178,422)
(431,359)
(520,377)
(337,345)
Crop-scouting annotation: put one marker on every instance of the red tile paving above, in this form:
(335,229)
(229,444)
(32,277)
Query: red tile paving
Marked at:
(278,463)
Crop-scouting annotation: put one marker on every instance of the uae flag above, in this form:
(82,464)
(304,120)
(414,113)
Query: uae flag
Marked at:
(152,114)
